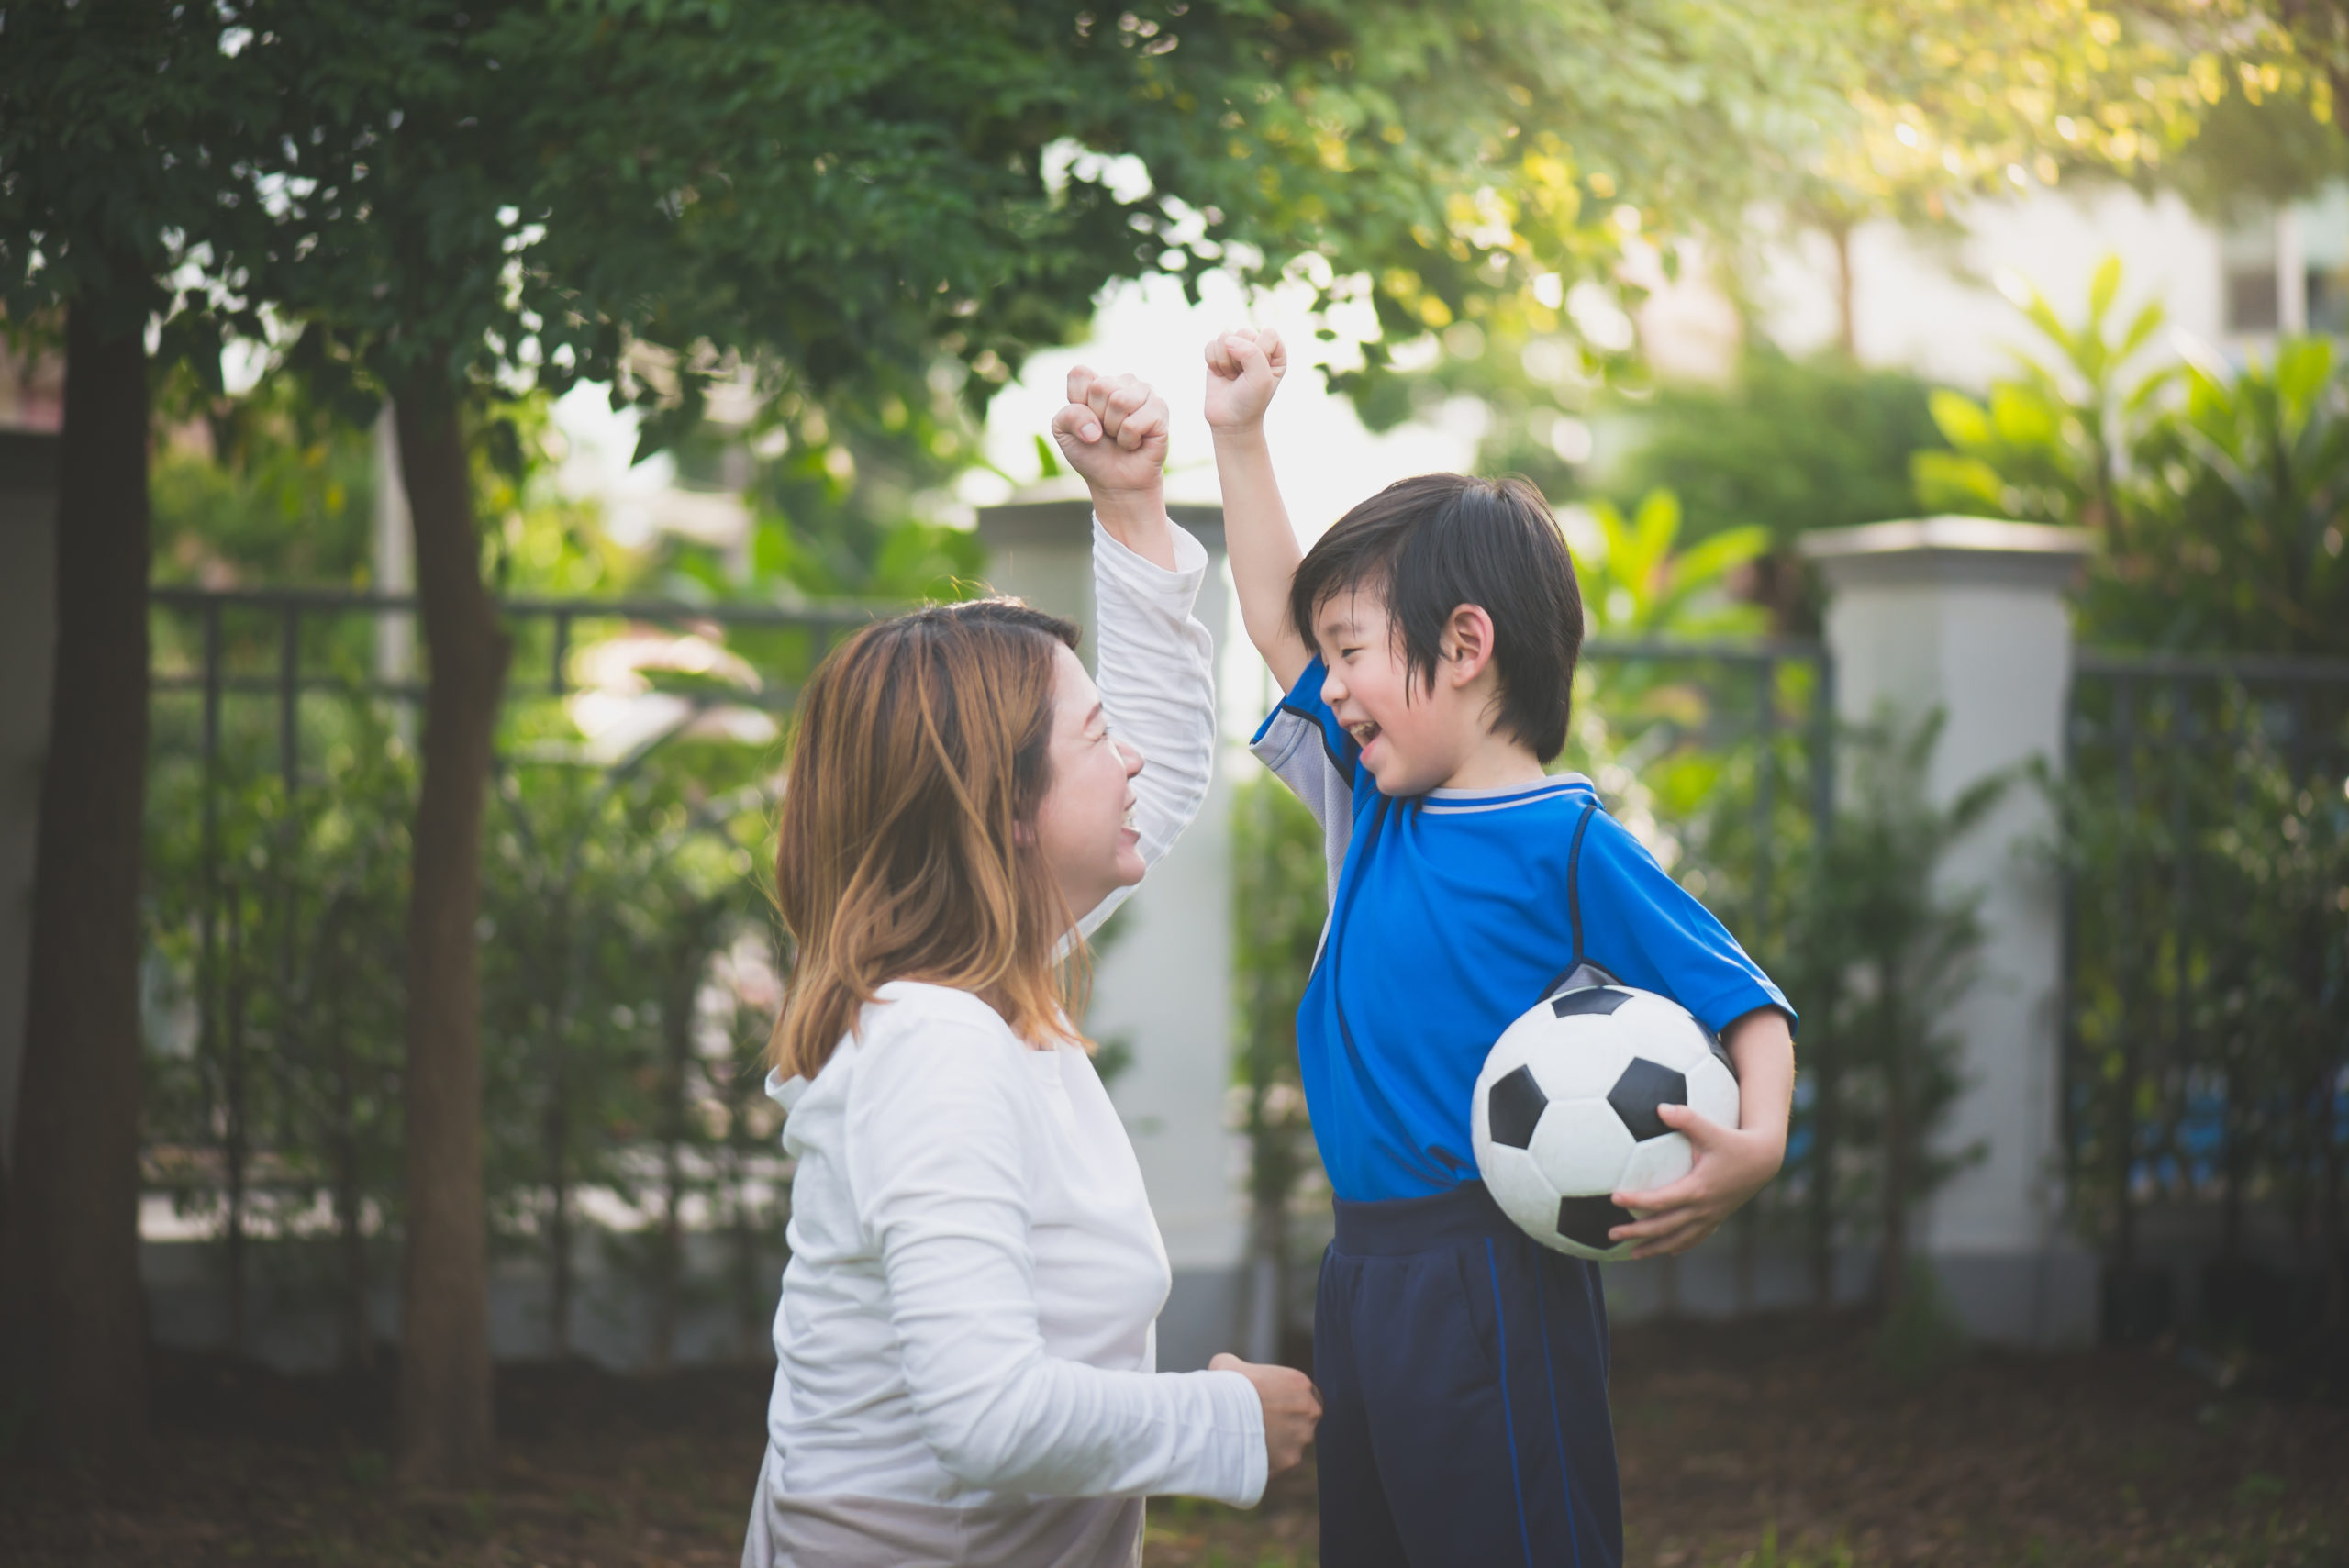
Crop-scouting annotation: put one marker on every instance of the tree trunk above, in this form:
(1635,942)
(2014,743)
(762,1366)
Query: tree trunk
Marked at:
(445,1424)
(76,1187)
(1847,321)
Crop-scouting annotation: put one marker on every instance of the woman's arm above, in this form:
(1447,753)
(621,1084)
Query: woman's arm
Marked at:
(938,1125)
(1155,665)
(1153,660)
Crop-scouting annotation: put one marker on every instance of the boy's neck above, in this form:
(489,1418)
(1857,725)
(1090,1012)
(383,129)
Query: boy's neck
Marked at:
(1497,762)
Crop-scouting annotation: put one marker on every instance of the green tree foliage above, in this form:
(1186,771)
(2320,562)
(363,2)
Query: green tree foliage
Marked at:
(278,492)
(1280,896)
(2242,544)
(103,109)
(2204,897)
(1661,732)
(1783,446)
(628,983)
(2207,997)
(2055,442)
(1786,445)
(1877,950)
(828,194)
(1636,585)
(2255,151)
(273,1028)
(2217,495)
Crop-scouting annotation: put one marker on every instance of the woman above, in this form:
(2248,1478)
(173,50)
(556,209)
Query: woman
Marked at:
(964,1341)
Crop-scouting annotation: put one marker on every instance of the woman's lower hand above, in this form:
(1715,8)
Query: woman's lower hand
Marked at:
(1292,1408)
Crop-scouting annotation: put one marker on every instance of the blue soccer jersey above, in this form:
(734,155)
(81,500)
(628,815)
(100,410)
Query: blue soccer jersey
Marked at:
(1449,914)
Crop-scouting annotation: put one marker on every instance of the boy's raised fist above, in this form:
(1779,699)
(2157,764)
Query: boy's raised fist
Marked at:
(1244,369)
(1112,432)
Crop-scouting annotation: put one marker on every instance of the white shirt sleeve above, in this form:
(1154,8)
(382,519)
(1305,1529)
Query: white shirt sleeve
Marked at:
(1155,665)
(938,1123)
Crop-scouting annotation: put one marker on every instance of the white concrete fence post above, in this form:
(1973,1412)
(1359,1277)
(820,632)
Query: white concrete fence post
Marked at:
(1966,616)
(1164,987)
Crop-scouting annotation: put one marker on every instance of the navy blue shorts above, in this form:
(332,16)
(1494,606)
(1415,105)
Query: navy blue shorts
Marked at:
(1463,1369)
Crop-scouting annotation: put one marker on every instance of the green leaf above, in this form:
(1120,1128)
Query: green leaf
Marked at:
(1953,482)
(1965,422)
(2023,416)
(2103,288)
(2303,365)
(2141,331)
(1706,563)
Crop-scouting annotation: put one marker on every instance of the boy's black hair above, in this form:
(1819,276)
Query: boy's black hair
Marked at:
(1428,545)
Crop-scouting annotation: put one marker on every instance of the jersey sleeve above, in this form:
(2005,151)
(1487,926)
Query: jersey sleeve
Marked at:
(1155,665)
(1303,743)
(1650,933)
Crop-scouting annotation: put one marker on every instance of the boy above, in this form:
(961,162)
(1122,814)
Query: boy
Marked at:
(1427,645)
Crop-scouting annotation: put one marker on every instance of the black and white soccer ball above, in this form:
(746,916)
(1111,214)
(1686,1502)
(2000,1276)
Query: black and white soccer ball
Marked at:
(1566,1110)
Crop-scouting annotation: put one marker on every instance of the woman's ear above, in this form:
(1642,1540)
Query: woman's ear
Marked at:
(1467,644)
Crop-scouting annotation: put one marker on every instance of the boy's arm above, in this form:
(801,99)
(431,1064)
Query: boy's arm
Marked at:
(1732,1162)
(1243,371)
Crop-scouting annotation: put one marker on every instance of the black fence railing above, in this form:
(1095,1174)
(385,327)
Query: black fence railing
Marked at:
(628,961)
(2206,1106)
(630,965)
(1723,756)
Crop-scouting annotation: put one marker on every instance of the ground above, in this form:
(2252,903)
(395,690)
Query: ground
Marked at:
(1769,1445)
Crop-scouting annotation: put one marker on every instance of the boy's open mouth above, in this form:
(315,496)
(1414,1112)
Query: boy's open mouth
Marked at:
(1363,733)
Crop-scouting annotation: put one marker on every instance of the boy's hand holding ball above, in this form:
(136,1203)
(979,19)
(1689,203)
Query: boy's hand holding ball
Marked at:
(1732,1163)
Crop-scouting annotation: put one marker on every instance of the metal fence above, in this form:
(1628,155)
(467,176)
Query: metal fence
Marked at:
(629,968)
(623,926)
(1724,757)
(2205,845)
(628,960)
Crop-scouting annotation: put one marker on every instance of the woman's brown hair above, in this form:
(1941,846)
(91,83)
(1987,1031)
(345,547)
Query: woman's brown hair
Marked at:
(923,745)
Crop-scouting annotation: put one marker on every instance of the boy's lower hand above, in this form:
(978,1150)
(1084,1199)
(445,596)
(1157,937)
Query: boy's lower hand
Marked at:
(1113,433)
(1732,1166)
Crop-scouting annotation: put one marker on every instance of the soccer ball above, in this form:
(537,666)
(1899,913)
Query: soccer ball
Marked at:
(1566,1110)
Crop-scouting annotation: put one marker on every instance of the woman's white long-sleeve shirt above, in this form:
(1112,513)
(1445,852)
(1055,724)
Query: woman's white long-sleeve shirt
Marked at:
(965,1339)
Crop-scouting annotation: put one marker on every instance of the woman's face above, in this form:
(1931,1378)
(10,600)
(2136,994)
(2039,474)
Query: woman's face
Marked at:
(1085,828)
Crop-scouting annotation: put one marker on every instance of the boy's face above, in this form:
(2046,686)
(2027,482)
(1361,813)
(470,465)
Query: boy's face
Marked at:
(1411,741)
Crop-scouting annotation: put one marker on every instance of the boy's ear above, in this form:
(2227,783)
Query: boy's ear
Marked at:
(1467,644)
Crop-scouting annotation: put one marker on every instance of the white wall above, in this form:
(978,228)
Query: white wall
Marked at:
(1932,302)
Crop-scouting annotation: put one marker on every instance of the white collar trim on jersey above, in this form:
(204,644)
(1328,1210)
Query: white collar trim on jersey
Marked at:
(1458,802)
